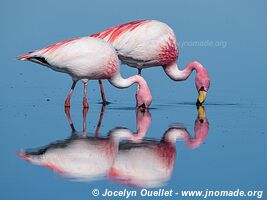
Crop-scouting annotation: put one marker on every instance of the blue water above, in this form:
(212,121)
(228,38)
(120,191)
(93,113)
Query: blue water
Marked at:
(233,154)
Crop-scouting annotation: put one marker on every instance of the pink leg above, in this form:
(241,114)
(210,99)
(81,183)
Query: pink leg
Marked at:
(85,103)
(104,101)
(67,101)
(85,110)
(67,112)
(100,120)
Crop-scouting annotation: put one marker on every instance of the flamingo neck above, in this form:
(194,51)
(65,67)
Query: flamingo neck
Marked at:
(173,71)
(175,133)
(143,95)
(118,134)
(120,82)
(201,131)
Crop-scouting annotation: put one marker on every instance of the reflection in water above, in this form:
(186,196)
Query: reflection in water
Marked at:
(79,156)
(149,163)
(123,156)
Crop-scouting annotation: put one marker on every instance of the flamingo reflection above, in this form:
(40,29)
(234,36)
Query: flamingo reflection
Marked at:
(123,156)
(80,157)
(150,163)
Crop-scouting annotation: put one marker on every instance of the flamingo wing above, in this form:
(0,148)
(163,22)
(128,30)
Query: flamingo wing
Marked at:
(115,32)
(37,54)
(142,43)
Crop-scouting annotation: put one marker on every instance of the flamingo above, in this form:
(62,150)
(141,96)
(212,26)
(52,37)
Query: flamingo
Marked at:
(201,130)
(86,59)
(147,43)
(78,158)
(135,161)
(149,163)
(81,157)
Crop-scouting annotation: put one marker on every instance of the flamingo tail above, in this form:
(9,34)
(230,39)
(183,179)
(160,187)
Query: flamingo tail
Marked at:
(25,56)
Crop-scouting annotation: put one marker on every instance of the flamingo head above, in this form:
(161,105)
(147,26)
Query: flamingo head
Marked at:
(202,84)
(143,95)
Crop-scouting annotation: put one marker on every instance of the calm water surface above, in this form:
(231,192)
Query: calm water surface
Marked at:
(221,146)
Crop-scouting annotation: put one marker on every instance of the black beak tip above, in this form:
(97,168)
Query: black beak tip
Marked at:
(198,103)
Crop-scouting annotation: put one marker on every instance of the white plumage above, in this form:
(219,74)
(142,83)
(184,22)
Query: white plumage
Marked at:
(149,43)
(88,59)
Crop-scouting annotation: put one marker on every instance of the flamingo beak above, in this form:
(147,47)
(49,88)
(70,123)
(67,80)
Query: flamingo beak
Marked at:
(201,113)
(201,96)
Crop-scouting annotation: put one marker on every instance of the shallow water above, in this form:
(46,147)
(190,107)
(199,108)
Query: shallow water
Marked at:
(228,154)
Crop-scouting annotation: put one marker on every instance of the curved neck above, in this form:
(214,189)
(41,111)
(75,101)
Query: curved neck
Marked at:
(120,82)
(201,131)
(118,134)
(173,71)
(176,133)
(143,95)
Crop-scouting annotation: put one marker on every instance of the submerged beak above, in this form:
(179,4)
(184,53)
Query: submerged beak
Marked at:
(201,97)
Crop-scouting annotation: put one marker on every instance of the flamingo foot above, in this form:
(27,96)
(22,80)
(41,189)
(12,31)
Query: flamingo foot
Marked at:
(85,103)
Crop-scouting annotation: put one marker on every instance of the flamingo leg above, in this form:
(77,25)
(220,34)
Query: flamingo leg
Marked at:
(104,101)
(100,120)
(85,103)
(67,112)
(67,101)
(85,110)
(139,73)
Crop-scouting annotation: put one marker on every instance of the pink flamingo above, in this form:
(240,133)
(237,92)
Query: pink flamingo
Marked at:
(88,59)
(147,43)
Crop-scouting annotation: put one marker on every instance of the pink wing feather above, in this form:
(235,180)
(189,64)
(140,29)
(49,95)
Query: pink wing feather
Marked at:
(113,33)
(50,48)
(110,35)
